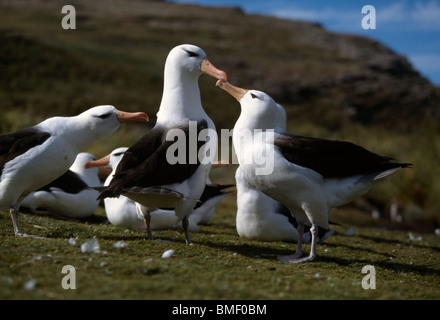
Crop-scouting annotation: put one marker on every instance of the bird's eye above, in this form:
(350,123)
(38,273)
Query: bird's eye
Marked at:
(103,116)
(119,154)
(254,96)
(191,54)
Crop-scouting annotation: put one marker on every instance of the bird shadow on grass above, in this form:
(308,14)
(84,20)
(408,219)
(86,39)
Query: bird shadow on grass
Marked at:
(256,251)
(425,270)
(393,241)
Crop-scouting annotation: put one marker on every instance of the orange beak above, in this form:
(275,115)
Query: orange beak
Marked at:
(97,163)
(131,116)
(101,164)
(208,68)
(234,91)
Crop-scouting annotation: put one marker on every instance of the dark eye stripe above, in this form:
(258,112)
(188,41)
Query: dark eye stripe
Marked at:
(253,96)
(192,54)
(103,116)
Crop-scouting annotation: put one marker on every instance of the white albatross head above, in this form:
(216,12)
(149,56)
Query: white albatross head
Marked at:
(181,94)
(80,160)
(111,160)
(258,109)
(191,59)
(91,125)
(104,120)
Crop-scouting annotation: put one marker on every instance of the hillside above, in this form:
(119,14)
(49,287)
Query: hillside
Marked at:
(337,77)
(332,85)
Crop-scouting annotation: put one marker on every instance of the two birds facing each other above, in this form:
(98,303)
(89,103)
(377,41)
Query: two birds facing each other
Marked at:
(311,176)
(32,158)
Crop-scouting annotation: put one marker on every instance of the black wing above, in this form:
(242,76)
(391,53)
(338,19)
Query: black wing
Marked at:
(333,158)
(69,182)
(211,191)
(145,163)
(18,142)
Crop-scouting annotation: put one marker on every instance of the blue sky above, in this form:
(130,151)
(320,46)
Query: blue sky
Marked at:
(411,28)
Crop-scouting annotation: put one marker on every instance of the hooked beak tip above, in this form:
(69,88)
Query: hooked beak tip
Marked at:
(234,91)
(208,68)
(223,76)
(132,116)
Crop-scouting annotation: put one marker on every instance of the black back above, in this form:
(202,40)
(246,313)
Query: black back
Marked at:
(145,163)
(211,191)
(69,182)
(332,158)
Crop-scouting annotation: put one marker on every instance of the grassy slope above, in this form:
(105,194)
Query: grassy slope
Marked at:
(118,59)
(219,265)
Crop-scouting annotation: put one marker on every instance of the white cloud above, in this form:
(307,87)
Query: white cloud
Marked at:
(427,14)
(420,15)
(305,14)
(329,17)
(396,12)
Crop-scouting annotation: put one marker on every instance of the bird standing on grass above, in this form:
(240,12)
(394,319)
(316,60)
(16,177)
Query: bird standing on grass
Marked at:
(122,211)
(146,173)
(262,218)
(33,157)
(308,175)
(259,216)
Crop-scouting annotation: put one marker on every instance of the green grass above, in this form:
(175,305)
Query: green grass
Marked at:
(219,265)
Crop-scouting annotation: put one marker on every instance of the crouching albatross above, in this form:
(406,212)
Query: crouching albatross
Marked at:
(169,165)
(33,157)
(308,175)
(69,195)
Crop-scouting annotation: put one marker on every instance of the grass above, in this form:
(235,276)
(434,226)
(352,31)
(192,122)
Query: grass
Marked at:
(220,265)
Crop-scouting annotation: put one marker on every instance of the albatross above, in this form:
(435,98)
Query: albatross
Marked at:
(68,196)
(260,217)
(31,158)
(146,173)
(308,175)
(122,211)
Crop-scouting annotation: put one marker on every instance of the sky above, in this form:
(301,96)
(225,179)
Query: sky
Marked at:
(410,28)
